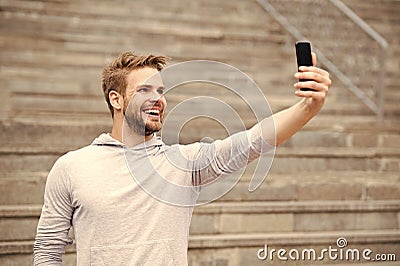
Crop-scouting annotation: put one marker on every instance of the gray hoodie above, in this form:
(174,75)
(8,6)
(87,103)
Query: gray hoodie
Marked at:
(121,211)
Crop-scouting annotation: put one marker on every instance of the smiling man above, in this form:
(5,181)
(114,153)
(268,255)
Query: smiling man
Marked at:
(95,190)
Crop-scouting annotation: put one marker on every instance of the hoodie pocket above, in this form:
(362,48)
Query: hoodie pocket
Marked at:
(152,253)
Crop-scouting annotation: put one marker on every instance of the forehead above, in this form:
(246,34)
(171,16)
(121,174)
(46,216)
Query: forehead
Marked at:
(145,75)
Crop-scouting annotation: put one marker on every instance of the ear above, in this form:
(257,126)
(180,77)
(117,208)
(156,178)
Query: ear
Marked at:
(116,100)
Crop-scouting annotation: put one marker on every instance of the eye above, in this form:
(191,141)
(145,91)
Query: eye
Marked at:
(160,91)
(142,89)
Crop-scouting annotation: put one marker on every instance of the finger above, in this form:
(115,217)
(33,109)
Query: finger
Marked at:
(305,94)
(318,93)
(317,87)
(316,96)
(313,77)
(314,69)
(307,85)
(314,58)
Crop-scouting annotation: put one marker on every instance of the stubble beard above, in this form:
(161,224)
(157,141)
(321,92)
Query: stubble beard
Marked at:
(136,123)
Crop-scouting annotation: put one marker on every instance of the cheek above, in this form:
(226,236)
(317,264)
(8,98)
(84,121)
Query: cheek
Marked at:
(133,103)
(164,101)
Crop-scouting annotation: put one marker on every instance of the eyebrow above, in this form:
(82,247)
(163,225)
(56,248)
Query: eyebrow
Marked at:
(144,85)
(149,86)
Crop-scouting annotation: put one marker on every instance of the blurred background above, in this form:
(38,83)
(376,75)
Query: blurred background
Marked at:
(339,177)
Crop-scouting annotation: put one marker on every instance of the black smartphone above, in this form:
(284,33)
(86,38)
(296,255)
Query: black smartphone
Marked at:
(303,56)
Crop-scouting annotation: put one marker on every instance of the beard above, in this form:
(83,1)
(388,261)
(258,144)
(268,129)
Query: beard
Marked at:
(137,124)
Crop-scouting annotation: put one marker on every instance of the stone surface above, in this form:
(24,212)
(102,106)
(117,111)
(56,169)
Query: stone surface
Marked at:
(340,173)
(18,228)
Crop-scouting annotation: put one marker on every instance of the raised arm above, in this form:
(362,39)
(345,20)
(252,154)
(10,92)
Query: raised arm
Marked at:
(234,152)
(55,220)
(291,120)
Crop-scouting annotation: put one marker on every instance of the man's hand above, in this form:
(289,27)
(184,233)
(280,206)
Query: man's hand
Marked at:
(289,121)
(319,82)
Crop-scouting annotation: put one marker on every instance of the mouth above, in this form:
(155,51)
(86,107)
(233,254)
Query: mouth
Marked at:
(153,112)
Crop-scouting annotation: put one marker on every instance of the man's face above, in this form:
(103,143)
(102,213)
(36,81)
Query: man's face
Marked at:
(144,102)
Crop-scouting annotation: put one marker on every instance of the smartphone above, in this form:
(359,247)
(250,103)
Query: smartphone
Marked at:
(303,56)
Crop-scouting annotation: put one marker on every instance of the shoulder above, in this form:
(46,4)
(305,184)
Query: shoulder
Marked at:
(69,158)
(187,150)
(195,150)
(68,165)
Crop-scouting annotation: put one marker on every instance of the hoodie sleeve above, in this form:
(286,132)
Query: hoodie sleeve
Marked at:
(55,220)
(228,155)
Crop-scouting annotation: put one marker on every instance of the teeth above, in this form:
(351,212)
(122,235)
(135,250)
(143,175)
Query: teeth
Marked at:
(152,112)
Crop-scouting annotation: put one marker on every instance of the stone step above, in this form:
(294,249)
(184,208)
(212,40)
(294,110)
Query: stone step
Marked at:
(28,105)
(262,217)
(392,61)
(198,26)
(39,104)
(80,47)
(20,187)
(175,49)
(287,160)
(53,135)
(369,10)
(316,159)
(90,44)
(35,104)
(25,104)
(47,97)
(97,54)
(29,81)
(42,79)
(356,123)
(353,129)
(195,13)
(80,133)
(375,155)
(192,19)
(20,222)
(105,13)
(240,249)
(322,122)
(120,25)
(308,137)
(341,139)
(327,185)
(88,50)
(243,248)
(27,188)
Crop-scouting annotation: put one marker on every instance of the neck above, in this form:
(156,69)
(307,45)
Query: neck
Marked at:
(131,139)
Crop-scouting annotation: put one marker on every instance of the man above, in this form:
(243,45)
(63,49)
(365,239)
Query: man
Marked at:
(120,213)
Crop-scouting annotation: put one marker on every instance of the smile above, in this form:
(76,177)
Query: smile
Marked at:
(152,112)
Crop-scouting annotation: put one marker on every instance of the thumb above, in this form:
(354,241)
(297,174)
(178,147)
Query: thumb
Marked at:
(314,58)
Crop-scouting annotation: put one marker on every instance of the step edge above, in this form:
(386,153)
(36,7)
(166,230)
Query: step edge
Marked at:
(296,238)
(298,207)
(246,207)
(249,240)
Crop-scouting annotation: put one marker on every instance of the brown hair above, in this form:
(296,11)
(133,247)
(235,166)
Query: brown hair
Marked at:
(115,73)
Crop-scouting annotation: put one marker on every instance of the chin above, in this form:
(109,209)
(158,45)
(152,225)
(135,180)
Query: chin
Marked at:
(153,128)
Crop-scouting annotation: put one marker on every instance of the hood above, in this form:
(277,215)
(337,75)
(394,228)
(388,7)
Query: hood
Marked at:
(105,139)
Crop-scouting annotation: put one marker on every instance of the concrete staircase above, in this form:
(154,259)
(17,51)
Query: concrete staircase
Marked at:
(339,177)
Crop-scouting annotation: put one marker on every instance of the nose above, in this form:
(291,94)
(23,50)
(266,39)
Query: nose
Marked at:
(155,96)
